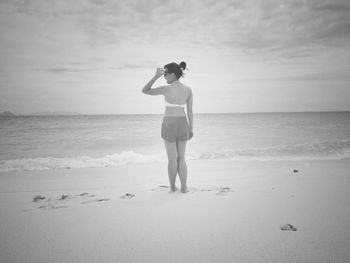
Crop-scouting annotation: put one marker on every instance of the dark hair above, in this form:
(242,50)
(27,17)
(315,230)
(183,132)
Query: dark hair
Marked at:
(175,68)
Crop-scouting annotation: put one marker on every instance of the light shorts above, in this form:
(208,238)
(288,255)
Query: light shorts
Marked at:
(175,128)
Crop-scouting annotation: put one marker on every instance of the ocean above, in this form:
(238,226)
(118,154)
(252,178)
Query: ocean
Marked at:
(57,142)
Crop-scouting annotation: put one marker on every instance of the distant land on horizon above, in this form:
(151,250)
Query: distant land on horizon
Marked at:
(40,113)
(7,113)
(53,113)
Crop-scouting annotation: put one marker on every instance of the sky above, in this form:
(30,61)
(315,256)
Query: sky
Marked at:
(95,56)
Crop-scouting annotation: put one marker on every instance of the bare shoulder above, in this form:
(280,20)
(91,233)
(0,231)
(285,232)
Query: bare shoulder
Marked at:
(185,85)
(188,90)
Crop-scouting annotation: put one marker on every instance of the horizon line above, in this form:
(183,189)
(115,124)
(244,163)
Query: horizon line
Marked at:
(199,113)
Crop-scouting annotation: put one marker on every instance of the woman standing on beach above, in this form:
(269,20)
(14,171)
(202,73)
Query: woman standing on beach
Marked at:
(175,128)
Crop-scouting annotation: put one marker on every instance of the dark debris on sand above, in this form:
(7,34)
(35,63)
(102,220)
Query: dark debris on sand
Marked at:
(38,198)
(288,227)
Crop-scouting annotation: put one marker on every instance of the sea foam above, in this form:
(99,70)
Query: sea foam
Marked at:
(48,163)
(335,150)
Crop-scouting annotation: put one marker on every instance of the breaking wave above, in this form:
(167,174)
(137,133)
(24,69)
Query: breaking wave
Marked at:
(48,163)
(312,151)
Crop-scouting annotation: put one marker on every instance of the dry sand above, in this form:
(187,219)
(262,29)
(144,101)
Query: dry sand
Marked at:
(233,212)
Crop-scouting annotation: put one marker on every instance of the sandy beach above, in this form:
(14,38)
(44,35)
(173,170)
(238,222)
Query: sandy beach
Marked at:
(233,212)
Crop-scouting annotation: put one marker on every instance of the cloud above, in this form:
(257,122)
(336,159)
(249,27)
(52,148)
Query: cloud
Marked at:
(247,26)
(65,70)
(307,77)
(289,25)
(332,6)
(239,25)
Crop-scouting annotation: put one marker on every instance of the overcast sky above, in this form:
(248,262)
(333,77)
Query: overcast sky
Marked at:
(94,57)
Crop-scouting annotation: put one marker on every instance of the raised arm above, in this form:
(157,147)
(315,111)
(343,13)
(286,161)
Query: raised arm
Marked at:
(157,91)
(190,113)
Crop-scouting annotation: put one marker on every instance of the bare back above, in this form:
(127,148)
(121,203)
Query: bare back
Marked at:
(176,93)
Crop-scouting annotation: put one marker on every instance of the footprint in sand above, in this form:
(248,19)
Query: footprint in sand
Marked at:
(55,203)
(127,196)
(51,206)
(96,200)
(86,195)
(223,190)
(46,207)
(161,187)
(167,188)
(64,197)
(205,190)
(69,197)
(38,198)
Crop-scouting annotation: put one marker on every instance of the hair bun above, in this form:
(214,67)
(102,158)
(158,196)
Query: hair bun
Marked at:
(183,65)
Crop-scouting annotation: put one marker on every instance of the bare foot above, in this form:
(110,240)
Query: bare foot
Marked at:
(184,190)
(173,189)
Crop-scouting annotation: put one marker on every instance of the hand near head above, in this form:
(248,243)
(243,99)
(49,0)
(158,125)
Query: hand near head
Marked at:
(159,72)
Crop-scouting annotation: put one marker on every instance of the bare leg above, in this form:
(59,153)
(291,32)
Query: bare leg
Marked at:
(182,167)
(172,162)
